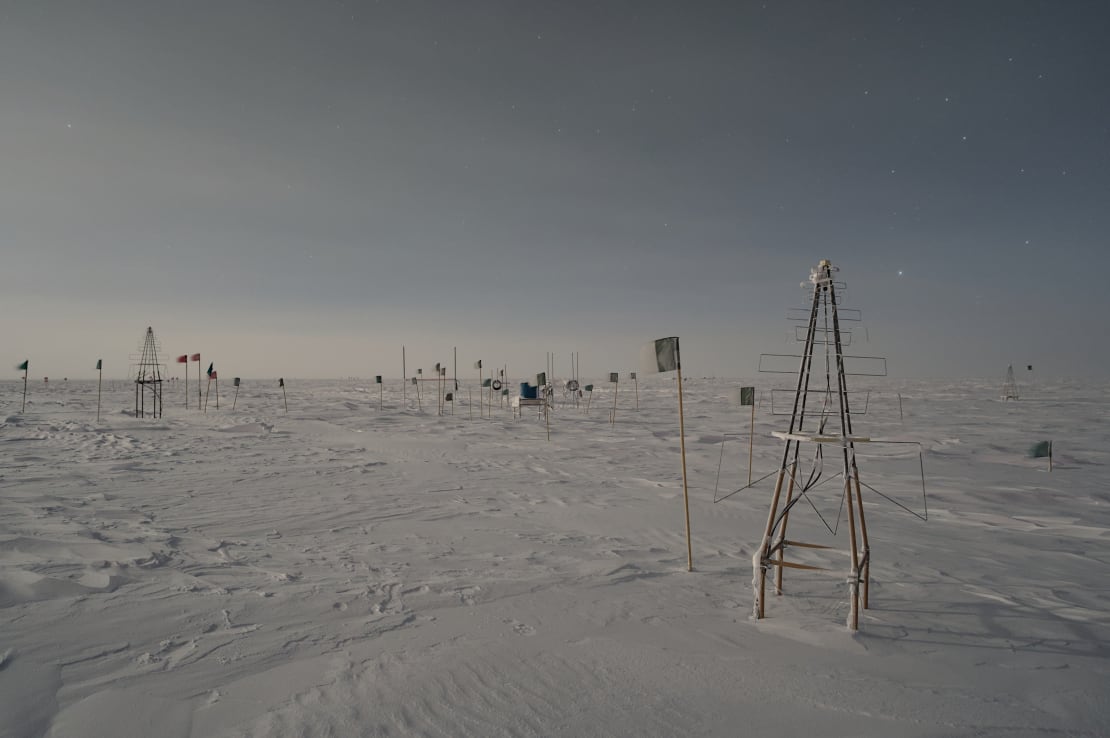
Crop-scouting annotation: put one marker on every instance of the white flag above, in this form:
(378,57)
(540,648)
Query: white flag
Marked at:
(661,355)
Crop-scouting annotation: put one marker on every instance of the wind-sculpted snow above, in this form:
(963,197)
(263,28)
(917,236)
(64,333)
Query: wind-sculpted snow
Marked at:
(343,570)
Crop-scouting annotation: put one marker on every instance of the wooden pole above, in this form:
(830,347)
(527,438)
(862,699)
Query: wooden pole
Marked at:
(186,382)
(198,382)
(381,397)
(26,371)
(285,398)
(217,391)
(682,446)
(751,439)
(780,544)
(235,399)
(636,387)
(99,382)
(900,416)
(613,415)
(207,390)
(470,402)
(404,380)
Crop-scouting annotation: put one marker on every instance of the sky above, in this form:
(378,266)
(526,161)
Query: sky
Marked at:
(299,189)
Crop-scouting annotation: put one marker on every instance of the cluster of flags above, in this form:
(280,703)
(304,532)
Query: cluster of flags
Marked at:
(24,366)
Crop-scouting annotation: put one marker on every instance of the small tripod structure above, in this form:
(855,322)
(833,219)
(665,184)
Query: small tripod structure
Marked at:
(148,378)
(821,416)
(1009,387)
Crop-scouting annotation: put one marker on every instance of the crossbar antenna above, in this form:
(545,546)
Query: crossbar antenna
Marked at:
(821,414)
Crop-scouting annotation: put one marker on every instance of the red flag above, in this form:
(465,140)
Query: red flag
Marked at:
(213,374)
(194,357)
(182,359)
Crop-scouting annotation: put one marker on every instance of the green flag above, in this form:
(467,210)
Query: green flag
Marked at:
(23,367)
(1041,450)
(98,364)
(747,395)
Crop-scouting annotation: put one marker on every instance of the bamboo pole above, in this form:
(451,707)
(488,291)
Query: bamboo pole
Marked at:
(235,399)
(404,379)
(26,371)
(761,604)
(613,414)
(751,442)
(780,544)
(99,382)
(865,572)
(682,446)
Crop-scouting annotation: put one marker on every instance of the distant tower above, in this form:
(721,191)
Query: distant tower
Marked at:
(1009,387)
(148,379)
(821,420)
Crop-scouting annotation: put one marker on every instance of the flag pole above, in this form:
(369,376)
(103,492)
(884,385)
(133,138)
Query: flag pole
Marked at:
(206,393)
(613,416)
(751,440)
(217,391)
(682,446)
(235,399)
(186,363)
(26,371)
(198,381)
(404,379)
(99,382)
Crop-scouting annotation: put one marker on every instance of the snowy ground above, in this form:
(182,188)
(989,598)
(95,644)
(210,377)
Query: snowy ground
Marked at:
(342,570)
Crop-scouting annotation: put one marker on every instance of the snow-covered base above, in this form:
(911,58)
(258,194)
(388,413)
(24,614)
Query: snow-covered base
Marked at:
(346,571)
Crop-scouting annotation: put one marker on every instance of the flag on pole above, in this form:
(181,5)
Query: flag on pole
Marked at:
(211,371)
(184,358)
(23,367)
(194,357)
(660,355)
(236,381)
(281,382)
(212,374)
(98,363)
(747,396)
